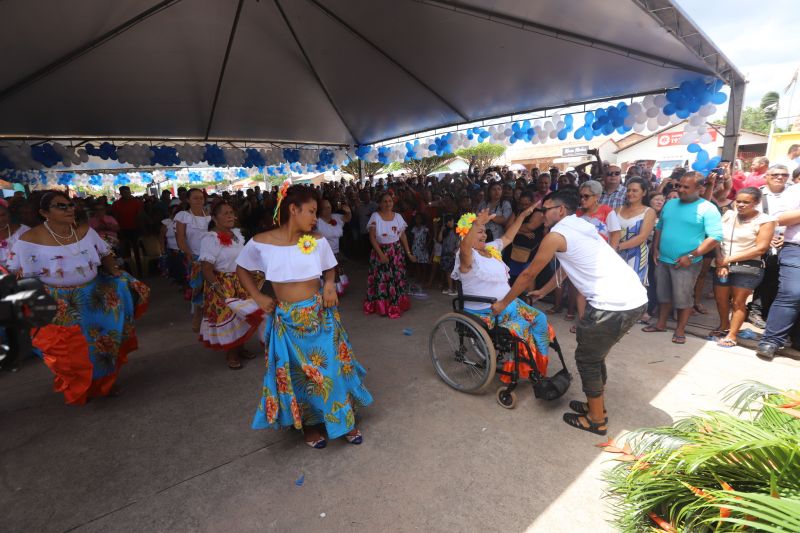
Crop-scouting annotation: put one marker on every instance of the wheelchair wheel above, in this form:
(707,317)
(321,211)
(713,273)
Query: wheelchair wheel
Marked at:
(506,398)
(462,353)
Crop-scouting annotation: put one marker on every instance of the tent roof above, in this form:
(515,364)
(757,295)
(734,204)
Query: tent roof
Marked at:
(327,71)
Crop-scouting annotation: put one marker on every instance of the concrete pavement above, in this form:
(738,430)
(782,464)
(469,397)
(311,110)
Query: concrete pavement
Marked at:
(176,453)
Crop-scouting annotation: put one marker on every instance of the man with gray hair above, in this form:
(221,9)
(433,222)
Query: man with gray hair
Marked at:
(613,191)
(689,227)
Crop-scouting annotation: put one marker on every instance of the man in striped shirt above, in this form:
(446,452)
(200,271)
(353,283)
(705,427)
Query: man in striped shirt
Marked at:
(613,191)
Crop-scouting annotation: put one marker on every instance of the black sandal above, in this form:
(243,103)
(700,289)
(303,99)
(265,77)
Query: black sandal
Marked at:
(582,408)
(573,420)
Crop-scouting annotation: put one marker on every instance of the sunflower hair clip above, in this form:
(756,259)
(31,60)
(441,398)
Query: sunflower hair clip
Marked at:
(307,244)
(281,195)
(465,224)
(494,252)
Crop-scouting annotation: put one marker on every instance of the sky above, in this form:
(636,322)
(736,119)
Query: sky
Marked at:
(760,38)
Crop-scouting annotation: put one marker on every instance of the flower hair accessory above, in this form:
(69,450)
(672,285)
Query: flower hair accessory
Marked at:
(281,195)
(307,244)
(465,224)
(494,252)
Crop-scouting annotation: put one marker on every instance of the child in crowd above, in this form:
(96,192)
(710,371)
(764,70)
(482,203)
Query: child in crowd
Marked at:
(421,247)
(449,239)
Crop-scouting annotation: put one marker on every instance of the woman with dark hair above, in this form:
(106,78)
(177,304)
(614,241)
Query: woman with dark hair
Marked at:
(526,241)
(746,236)
(501,209)
(313,381)
(331,226)
(175,260)
(190,227)
(230,316)
(93,330)
(387,287)
(637,221)
(9,234)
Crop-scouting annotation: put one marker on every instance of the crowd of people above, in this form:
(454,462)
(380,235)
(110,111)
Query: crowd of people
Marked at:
(269,262)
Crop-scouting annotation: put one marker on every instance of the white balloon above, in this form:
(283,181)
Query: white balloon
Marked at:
(695,120)
(553,134)
(629,121)
(641,118)
(708,110)
(635,108)
(705,138)
(652,124)
(549,126)
(648,101)
(660,100)
(652,112)
(537,123)
(508,132)
(560,125)
(662,119)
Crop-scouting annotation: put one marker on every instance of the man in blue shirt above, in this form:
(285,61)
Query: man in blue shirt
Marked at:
(689,227)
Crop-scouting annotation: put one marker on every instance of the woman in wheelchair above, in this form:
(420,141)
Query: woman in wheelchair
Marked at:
(480,268)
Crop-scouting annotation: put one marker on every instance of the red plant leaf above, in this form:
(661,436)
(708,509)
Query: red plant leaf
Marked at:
(663,524)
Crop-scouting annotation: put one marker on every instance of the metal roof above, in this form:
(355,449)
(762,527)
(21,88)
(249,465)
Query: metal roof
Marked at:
(327,71)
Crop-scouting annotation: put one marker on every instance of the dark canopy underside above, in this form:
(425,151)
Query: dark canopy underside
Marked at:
(326,71)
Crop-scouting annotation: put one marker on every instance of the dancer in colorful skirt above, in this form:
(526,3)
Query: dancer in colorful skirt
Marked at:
(9,234)
(480,268)
(93,330)
(387,286)
(230,316)
(190,227)
(313,381)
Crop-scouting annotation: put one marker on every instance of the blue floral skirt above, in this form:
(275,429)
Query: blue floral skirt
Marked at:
(92,334)
(527,323)
(312,374)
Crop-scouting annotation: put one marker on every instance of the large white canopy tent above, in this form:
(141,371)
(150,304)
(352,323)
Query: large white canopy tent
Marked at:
(330,71)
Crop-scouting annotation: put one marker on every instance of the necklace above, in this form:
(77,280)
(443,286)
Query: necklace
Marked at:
(71,236)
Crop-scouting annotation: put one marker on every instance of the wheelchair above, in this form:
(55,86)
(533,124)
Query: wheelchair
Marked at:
(465,353)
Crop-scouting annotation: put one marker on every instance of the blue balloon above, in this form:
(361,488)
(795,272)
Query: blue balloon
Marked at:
(714,161)
(669,109)
(568,121)
(698,166)
(562,135)
(683,113)
(693,148)
(579,133)
(702,156)
(719,98)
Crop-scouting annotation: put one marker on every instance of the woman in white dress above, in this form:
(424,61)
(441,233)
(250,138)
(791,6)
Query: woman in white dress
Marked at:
(9,234)
(190,227)
(93,329)
(175,262)
(331,226)
(230,316)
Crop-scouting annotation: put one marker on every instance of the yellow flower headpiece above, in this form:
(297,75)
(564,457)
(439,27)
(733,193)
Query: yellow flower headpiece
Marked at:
(281,195)
(494,252)
(465,224)
(307,244)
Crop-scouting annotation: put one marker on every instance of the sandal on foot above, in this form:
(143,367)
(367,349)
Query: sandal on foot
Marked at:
(358,438)
(573,329)
(317,444)
(573,419)
(234,364)
(726,343)
(582,408)
(718,332)
(247,355)
(679,339)
(653,329)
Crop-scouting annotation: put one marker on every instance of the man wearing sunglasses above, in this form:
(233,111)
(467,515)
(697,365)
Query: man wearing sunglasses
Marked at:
(613,191)
(615,299)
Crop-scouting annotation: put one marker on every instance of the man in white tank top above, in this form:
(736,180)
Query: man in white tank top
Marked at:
(615,298)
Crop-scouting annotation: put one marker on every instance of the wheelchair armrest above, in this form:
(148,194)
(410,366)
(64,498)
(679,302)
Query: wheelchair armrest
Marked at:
(478,299)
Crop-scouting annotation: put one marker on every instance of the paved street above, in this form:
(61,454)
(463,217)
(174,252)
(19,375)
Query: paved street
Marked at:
(176,453)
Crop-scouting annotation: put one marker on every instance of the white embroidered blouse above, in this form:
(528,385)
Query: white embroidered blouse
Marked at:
(332,231)
(387,232)
(7,244)
(487,277)
(196,228)
(222,256)
(59,266)
(286,264)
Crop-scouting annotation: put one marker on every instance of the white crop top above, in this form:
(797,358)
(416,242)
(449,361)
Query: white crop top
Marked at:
(59,266)
(332,231)
(222,256)
(7,244)
(488,277)
(285,264)
(387,232)
(196,228)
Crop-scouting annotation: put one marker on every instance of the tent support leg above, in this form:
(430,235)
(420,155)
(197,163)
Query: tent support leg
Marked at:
(733,121)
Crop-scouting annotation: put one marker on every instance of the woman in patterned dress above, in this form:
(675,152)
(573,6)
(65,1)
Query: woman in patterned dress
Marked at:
(190,227)
(637,222)
(230,316)
(313,381)
(93,330)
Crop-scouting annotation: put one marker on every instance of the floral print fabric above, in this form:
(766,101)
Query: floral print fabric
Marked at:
(222,328)
(91,334)
(527,323)
(387,286)
(312,375)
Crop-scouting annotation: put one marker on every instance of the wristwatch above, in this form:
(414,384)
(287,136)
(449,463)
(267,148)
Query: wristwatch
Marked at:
(690,255)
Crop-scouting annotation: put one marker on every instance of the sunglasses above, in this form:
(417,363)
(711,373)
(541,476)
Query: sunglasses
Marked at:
(617,173)
(62,206)
(779,175)
(545,209)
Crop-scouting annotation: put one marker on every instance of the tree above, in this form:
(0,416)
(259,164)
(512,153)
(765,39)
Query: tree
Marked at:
(426,165)
(484,154)
(755,119)
(769,104)
(370,169)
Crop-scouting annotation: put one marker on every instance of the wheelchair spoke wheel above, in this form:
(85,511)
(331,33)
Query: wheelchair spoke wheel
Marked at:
(462,353)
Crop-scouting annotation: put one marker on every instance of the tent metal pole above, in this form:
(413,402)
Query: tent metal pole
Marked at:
(733,120)
(314,72)
(83,50)
(224,66)
(395,62)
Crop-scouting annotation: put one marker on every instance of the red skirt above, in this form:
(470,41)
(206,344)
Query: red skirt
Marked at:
(387,286)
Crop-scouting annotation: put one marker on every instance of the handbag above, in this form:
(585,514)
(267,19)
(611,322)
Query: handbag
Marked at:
(520,253)
(749,267)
